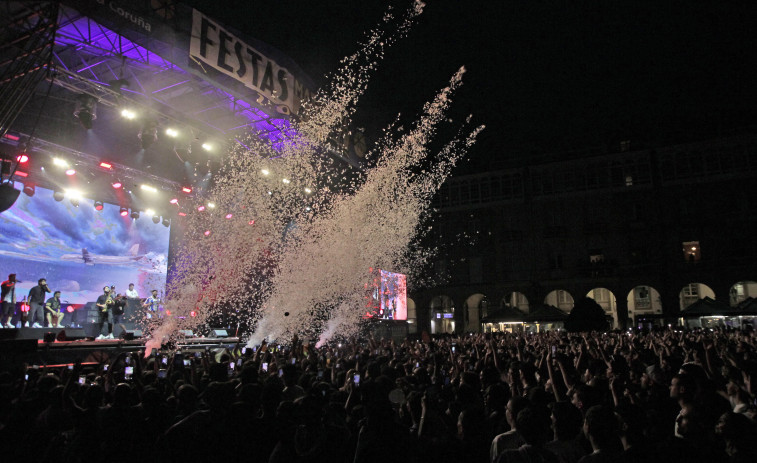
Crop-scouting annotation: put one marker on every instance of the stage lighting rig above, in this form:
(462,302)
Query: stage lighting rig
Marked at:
(98,205)
(166,222)
(29,189)
(134,214)
(149,133)
(124,212)
(58,195)
(155,219)
(86,110)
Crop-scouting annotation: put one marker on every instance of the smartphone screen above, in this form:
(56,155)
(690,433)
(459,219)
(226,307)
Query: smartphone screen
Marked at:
(356,380)
(239,362)
(453,349)
(161,374)
(294,361)
(244,350)
(265,366)
(232,365)
(105,367)
(82,379)
(164,360)
(198,354)
(26,377)
(320,373)
(70,367)
(281,372)
(128,372)
(127,360)
(187,362)
(554,349)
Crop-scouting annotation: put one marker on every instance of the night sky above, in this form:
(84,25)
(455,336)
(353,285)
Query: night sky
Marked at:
(544,76)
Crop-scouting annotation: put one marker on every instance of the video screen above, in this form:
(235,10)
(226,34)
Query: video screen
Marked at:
(79,250)
(387,299)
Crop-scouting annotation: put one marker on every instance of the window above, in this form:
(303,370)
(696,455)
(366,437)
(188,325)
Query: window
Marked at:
(692,252)
(563,297)
(641,298)
(691,290)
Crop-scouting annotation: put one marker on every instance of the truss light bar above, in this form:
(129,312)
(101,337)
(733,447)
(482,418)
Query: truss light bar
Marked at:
(149,188)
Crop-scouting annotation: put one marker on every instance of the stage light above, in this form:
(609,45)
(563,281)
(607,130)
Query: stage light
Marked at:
(149,188)
(71,172)
(201,208)
(155,219)
(286,181)
(22,158)
(98,205)
(59,195)
(307,208)
(74,202)
(60,162)
(149,212)
(124,212)
(134,214)
(21,173)
(172,132)
(128,114)
(228,216)
(308,190)
(29,190)
(73,194)
(106,165)
(251,222)
(182,214)
(149,133)
(207,233)
(186,189)
(116,185)
(207,146)
(212,205)
(174,201)
(86,110)
(166,222)
(265,172)
(192,313)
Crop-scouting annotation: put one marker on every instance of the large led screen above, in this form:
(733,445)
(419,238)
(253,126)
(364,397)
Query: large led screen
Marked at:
(78,249)
(387,299)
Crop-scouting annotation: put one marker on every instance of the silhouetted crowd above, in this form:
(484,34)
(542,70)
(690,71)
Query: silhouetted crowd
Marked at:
(660,396)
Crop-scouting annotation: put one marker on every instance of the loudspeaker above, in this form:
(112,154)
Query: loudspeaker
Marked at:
(130,335)
(8,194)
(49,336)
(92,330)
(71,334)
(221,333)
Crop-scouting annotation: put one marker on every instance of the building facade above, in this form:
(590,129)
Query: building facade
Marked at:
(642,232)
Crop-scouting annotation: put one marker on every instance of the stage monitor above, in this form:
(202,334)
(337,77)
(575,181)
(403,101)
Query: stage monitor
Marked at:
(387,298)
(79,249)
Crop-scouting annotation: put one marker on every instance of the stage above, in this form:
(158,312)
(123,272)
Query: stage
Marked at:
(28,346)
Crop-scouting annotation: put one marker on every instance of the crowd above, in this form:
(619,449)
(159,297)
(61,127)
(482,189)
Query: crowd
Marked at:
(664,396)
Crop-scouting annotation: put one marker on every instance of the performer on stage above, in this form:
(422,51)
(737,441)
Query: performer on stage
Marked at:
(104,303)
(8,297)
(36,304)
(116,313)
(152,304)
(132,293)
(53,309)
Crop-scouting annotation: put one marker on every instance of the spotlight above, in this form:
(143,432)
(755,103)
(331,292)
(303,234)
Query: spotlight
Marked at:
(166,222)
(116,184)
(149,133)
(98,205)
(128,114)
(134,214)
(186,190)
(149,188)
(308,190)
(70,172)
(265,172)
(251,222)
(172,132)
(286,181)
(106,165)
(174,201)
(29,190)
(86,110)
(73,194)
(207,232)
(211,205)
(201,208)
(58,196)
(155,219)
(124,212)
(228,216)
(60,162)
(22,158)
(207,146)
(149,212)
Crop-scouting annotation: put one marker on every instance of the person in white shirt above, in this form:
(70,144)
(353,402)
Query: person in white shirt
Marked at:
(132,293)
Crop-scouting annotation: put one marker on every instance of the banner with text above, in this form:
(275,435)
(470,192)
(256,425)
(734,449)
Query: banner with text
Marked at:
(275,86)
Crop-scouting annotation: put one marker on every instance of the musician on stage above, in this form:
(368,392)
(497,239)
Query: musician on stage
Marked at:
(152,304)
(104,304)
(53,309)
(8,298)
(116,313)
(37,303)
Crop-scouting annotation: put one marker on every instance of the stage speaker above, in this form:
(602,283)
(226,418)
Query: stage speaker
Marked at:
(49,336)
(8,195)
(71,334)
(130,335)
(220,333)
(92,330)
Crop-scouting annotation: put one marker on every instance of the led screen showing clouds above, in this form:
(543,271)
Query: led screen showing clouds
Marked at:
(78,249)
